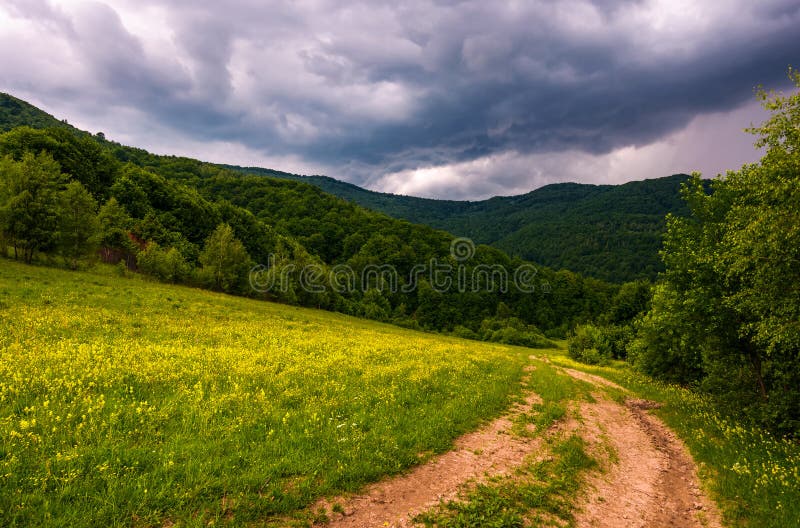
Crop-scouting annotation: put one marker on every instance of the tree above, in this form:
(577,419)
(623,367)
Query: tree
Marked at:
(225,261)
(82,158)
(175,266)
(20,140)
(129,193)
(113,238)
(30,210)
(375,305)
(79,226)
(727,311)
(164,264)
(7,167)
(668,342)
(631,299)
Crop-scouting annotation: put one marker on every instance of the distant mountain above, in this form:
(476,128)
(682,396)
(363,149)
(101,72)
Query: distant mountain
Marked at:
(611,232)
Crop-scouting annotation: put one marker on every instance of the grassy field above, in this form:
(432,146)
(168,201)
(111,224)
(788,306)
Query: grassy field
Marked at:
(129,403)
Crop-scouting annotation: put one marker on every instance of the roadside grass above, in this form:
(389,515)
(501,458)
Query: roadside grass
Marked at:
(556,392)
(130,403)
(754,476)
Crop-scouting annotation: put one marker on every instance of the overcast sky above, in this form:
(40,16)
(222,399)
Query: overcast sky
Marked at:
(446,98)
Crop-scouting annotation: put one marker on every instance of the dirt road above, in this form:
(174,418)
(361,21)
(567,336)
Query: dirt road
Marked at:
(648,478)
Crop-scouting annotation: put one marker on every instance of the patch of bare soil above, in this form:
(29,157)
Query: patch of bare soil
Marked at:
(650,480)
(593,379)
(490,451)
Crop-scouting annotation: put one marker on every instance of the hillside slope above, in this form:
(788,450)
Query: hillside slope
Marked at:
(296,229)
(611,232)
(16,112)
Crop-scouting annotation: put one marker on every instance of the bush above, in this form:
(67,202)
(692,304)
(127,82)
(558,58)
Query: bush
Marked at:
(597,344)
(167,265)
(559,332)
(583,345)
(513,336)
(512,331)
(464,332)
(614,340)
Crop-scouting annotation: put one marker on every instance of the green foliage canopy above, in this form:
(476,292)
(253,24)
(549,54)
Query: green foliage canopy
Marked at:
(79,226)
(727,312)
(29,212)
(225,261)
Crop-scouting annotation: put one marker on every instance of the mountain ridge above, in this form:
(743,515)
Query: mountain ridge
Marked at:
(611,232)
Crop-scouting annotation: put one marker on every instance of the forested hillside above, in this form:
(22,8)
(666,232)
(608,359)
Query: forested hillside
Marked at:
(16,112)
(612,232)
(183,220)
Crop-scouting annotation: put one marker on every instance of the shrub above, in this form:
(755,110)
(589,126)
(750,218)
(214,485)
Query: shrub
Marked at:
(464,332)
(614,340)
(597,344)
(167,265)
(512,331)
(583,345)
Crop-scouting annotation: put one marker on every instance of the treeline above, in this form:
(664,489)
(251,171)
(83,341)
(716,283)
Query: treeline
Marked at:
(182,220)
(725,315)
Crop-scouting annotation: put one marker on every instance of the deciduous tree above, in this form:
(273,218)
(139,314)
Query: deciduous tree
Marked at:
(727,311)
(78,224)
(225,261)
(30,210)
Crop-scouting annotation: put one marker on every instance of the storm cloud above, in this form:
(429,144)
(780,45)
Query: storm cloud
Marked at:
(460,99)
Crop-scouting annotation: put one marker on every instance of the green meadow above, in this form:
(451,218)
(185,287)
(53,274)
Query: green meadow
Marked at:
(125,402)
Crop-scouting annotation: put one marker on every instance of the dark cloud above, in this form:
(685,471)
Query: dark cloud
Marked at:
(369,89)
